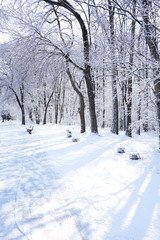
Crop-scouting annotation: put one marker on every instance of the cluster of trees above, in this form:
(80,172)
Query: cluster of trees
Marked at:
(83,61)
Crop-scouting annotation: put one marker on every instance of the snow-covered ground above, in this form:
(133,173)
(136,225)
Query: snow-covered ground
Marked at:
(54,189)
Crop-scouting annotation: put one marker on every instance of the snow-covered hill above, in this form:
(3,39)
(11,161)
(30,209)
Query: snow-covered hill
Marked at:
(54,189)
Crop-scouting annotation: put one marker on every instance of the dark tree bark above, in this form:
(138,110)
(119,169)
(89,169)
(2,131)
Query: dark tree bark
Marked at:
(57,107)
(61,107)
(104,110)
(82,115)
(139,93)
(20,102)
(46,108)
(37,115)
(129,82)
(123,108)
(87,68)
(139,111)
(114,128)
(31,114)
(81,99)
(57,110)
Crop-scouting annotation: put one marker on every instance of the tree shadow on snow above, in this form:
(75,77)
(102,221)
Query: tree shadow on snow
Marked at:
(134,218)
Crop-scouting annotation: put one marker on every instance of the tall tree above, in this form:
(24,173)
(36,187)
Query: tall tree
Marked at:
(150,30)
(114,127)
(129,82)
(87,67)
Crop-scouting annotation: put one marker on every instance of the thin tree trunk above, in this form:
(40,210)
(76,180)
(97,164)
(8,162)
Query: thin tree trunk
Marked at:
(30,115)
(139,112)
(37,115)
(61,108)
(103,110)
(129,108)
(56,111)
(146,93)
(114,127)
(123,106)
(81,99)
(23,115)
(46,108)
(20,103)
(129,83)
(82,115)
(150,36)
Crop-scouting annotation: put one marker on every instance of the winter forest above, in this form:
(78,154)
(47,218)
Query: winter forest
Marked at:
(80,82)
(93,63)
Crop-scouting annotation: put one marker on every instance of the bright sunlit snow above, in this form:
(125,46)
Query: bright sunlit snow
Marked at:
(54,189)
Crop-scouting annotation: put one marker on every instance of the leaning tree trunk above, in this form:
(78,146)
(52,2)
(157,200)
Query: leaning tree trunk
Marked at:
(46,108)
(20,102)
(81,99)
(87,68)
(151,40)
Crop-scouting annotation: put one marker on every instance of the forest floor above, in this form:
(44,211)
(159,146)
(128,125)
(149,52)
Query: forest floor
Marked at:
(54,189)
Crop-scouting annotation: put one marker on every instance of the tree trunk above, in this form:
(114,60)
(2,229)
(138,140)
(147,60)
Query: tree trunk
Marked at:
(20,102)
(114,127)
(61,108)
(151,40)
(30,114)
(87,68)
(123,106)
(103,110)
(157,94)
(129,108)
(37,115)
(146,93)
(139,112)
(129,83)
(82,115)
(46,108)
(56,112)
(45,116)
(81,99)
(23,114)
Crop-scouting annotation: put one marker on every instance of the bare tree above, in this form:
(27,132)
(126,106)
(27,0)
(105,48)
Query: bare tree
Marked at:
(114,128)
(87,68)
(129,82)
(150,30)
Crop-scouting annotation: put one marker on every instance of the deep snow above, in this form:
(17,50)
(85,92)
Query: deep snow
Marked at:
(54,189)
